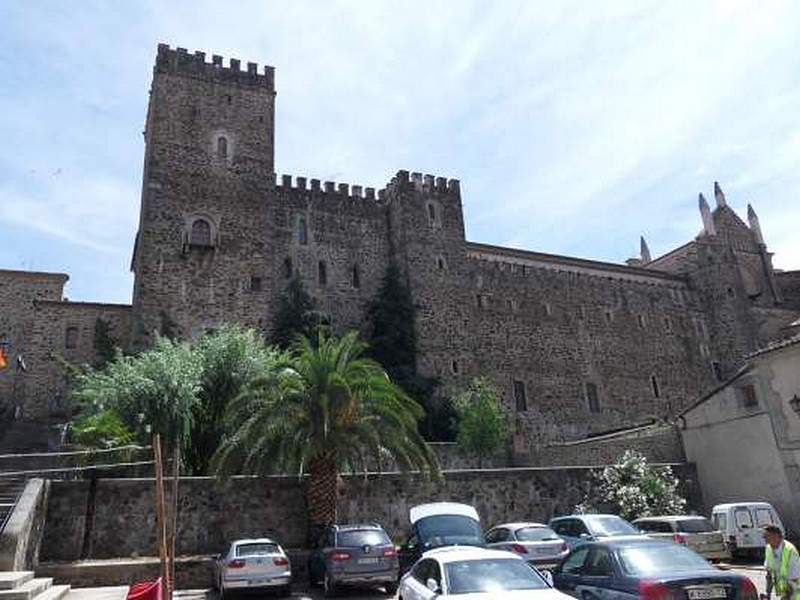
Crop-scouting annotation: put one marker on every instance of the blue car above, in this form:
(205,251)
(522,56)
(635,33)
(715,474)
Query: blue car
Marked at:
(646,569)
(579,529)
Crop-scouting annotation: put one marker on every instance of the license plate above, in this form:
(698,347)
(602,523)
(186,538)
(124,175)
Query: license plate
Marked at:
(706,593)
(368,561)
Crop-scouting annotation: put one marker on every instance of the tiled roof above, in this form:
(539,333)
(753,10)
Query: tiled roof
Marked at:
(776,345)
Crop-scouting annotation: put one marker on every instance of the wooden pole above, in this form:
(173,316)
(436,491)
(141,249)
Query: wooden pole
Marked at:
(176,461)
(161,532)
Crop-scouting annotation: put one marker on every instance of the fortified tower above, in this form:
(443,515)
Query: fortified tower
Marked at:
(209,160)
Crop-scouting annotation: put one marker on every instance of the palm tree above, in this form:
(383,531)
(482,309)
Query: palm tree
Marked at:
(325,408)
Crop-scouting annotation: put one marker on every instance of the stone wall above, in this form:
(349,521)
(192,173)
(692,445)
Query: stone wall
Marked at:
(658,443)
(115,517)
(789,283)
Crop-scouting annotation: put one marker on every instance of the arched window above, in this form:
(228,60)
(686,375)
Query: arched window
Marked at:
(322,273)
(222,147)
(302,231)
(200,234)
(287,267)
(71,338)
(356,277)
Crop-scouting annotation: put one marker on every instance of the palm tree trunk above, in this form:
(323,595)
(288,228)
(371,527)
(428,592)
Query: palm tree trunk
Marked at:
(322,493)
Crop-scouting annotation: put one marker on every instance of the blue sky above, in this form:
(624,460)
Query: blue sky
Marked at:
(573,126)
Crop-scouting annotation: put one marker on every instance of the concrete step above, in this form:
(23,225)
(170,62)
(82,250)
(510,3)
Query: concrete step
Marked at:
(28,590)
(10,580)
(56,592)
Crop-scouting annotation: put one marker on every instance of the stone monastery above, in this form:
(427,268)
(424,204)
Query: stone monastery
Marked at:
(576,346)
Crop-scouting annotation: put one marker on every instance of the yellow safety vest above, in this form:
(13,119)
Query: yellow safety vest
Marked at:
(780,577)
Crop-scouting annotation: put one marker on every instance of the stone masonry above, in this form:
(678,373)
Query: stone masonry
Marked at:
(576,346)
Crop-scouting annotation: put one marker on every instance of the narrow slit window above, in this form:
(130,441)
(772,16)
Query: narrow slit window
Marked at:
(520,398)
(322,273)
(222,147)
(288,269)
(302,231)
(356,277)
(432,213)
(592,398)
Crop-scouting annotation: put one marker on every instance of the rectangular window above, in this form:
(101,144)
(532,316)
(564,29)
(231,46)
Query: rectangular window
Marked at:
(592,398)
(748,395)
(520,398)
(255,284)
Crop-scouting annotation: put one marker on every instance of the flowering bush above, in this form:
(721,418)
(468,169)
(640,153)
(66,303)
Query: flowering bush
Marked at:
(632,488)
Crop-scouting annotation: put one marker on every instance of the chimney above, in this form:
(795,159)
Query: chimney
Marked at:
(719,195)
(708,220)
(755,226)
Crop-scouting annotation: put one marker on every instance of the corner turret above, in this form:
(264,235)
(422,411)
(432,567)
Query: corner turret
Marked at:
(755,226)
(705,212)
(719,195)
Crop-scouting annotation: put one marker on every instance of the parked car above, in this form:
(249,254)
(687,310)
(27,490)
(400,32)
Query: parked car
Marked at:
(535,543)
(579,529)
(440,524)
(646,569)
(741,523)
(697,533)
(354,555)
(257,564)
(480,572)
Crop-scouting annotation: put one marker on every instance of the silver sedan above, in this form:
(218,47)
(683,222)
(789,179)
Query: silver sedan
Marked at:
(535,543)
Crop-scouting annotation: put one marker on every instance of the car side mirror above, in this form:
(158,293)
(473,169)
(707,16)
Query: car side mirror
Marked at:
(432,585)
(548,577)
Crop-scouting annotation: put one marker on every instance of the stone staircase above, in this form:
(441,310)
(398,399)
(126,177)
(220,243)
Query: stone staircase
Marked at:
(22,585)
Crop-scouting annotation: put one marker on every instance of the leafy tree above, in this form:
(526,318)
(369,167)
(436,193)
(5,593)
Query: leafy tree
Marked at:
(393,343)
(633,488)
(100,430)
(159,388)
(229,359)
(320,409)
(482,429)
(297,315)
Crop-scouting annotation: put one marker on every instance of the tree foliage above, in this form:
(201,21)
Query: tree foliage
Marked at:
(320,409)
(297,315)
(393,343)
(103,429)
(104,345)
(229,359)
(158,388)
(632,488)
(482,428)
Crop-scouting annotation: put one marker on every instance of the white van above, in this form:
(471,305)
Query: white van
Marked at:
(741,523)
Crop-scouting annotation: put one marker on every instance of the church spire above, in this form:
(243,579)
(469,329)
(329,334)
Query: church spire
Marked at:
(644,251)
(755,226)
(719,195)
(708,220)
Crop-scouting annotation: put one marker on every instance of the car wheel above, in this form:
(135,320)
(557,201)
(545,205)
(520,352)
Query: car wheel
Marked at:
(391,588)
(329,586)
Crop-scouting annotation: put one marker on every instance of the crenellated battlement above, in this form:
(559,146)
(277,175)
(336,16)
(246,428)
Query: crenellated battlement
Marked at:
(330,188)
(180,61)
(424,183)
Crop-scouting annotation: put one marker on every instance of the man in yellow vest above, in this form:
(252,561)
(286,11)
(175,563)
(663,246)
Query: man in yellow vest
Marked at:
(782,562)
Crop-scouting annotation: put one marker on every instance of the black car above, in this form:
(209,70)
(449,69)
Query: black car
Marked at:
(646,569)
(440,524)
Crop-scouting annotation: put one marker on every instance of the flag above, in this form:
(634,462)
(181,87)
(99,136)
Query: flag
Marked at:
(3,358)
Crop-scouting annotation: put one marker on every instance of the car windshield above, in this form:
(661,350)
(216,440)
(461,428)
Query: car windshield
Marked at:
(491,575)
(644,560)
(448,530)
(536,534)
(610,526)
(695,526)
(764,517)
(256,549)
(362,537)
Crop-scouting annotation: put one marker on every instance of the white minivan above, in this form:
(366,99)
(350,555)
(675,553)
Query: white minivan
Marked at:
(741,523)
